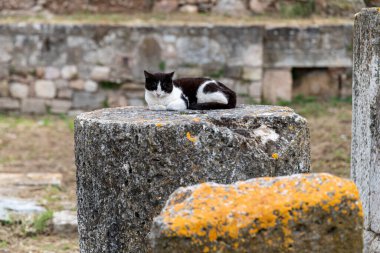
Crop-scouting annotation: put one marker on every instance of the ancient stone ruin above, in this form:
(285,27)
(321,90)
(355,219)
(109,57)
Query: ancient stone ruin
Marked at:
(365,167)
(66,68)
(129,160)
(302,213)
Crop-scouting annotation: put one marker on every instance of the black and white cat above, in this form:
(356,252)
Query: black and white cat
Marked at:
(164,93)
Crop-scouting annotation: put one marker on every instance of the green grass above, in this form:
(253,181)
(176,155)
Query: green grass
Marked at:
(303,8)
(41,221)
(311,106)
(3,244)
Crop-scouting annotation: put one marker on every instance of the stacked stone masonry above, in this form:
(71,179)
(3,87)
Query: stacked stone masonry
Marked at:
(69,68)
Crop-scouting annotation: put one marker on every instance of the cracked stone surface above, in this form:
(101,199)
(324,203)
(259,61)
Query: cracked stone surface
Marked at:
(365,162)
(129,160)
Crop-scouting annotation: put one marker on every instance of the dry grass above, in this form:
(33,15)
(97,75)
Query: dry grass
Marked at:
(171,19)
(46,144)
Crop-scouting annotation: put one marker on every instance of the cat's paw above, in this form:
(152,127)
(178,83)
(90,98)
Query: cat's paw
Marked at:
(178,105)
(157,108)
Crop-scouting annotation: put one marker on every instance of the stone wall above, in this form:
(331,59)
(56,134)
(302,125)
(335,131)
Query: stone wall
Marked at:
(287,8)
(66,68)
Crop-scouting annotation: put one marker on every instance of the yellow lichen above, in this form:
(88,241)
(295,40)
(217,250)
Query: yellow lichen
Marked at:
(159,124)
(215,211)
(191,138)
(275,156)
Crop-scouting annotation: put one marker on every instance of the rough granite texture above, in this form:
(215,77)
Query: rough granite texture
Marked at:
(300,213)
(129,160)
(365,165)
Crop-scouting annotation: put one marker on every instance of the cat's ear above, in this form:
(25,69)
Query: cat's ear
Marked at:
(147,74)
(171,75)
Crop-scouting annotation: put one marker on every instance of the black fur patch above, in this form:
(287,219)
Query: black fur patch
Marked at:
(211,87)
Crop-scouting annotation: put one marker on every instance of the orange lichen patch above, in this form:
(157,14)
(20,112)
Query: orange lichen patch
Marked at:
(211,211)
(159,124)
(197,120)
(275,156)
(191,138)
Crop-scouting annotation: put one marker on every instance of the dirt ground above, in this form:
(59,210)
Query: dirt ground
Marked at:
(45,144)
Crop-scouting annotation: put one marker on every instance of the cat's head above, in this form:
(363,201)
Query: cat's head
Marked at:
(159,84)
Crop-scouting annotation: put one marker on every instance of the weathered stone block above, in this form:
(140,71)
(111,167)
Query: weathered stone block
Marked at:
(313,46)
(365,163)
(19,90)
(65,93)
(252,74)
(65,222)
(69,72)
(301,213)
(277,85)
(52,73)
(9,104)
(100,73)
(90,86)
(60,106)
(84,100)
(34,106)
(77,84)
(129,160)
(45,89)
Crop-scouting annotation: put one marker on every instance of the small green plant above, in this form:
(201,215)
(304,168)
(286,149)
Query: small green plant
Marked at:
(162,66)
(3,244)
(41,221)
(217,74)
(105,103)
(303,8)
(109,85)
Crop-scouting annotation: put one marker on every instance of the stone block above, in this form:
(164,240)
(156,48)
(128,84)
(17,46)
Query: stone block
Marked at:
(230,7)
(308,46)
(277,85)
(77,84)
(9,104)
(52,73)
(188,8)
(69,72)
(45,89)
(65,93)
(255,90)
(189,72)
(12,209)
(19,90)
(165,6)
(365,162)
(252,73)
(30,179)
(65,222)
(286,214)
(88,101)
(128,158)
(90,86)
(60,106)
(61,84)
(4,88)
(100,73)
(34,105)
(259,6)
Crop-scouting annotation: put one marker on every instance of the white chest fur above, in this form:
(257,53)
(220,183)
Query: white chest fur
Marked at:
(170,101)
